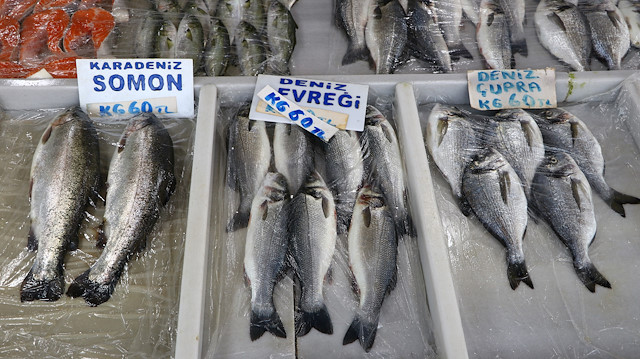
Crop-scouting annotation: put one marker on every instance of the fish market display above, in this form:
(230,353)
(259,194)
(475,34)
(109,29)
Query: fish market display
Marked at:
(492,188)
(312,232)
(494,36)
(630,9)
(562,197)
(563,131)
(140,181)
(609,31)
(386,36)
(293,154)
(265,252)
(372,243)
(65,175)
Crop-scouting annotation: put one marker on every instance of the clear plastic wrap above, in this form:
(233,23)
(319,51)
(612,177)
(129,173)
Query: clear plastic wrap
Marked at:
(560,317)
(404,328)
(139,320)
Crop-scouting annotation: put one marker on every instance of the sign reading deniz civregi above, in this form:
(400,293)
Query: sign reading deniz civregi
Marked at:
(126,87)
(503,89)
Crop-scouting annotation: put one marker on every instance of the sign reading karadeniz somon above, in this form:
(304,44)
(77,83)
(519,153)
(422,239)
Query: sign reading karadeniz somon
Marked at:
(126,87)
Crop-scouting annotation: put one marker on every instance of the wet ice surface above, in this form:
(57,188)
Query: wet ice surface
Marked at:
(140,318)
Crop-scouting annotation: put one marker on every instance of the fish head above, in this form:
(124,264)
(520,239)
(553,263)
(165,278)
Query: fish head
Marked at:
(510,115)
(71,114)
(370,197)
(558,164)
(373,116)
(556,115)
(315,186)
(274,187)
(487,160)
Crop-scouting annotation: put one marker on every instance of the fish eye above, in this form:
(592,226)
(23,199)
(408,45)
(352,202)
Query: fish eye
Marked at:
(553,160)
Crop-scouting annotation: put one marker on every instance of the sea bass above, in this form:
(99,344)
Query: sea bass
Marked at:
(563,30)
(65,174)
(373,252)
(352,16)
(514,10)
(312,231)
(449,17)
(493,35)
(425,37)
(630,9)
(494,193)
(265,253)
(563,131)
(293,154)
(562,197)
(609,31)
(140,181)
(281,35)
(248,162)
(251,50)
(386,36)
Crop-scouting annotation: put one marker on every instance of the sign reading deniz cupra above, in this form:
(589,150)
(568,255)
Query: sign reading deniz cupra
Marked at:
(126,87)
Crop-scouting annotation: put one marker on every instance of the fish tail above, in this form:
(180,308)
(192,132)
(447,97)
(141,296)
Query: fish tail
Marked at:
(354,54)
(262,322)
(94,293)
(519,46)
(590,276)
(517,272)
(618,199)
(49,290)
(239,220)
(363,331)
(457,51)
(318,319)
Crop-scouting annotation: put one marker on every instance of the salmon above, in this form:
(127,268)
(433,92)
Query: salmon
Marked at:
(9,39)
(40,36)
(62,68)
(104,4)
(13,70)
(16,9)
(89,28)
(67,5)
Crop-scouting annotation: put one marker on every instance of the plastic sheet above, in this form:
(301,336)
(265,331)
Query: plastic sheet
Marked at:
(560,317)
(139,320)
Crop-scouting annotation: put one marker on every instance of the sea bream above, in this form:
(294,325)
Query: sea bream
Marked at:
(562,197)
(563,30)
(65,174)
(494,36)
(449,18)
(386,36)
(425,38)
(140,182)
(492,188)
(563,131)
(249,156)
(293,154)
(373,253)
(609,31)
(630,9)
(265,253)
(312,236)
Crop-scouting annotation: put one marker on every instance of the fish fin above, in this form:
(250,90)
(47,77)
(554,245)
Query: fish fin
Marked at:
(575,190)
(343,221)
(122,142)
(554,18)
(574,133)
(262,322)
(325,207)
(329,276)
(72,245)
(30,187)
(32,241)
(490,19)
(464,206)
(517,272)
(46,134)
(505,186)
(239,220)
(393,282)
(354,284)
(615,19)
(366,213)
(590,277)
(354,54)
(513,61)
(247,281)
(529,133)
(458,51)
(102,237)
(618,199)
(520,47)
(49,290)
(443,127)
(94,293)
(318,319)
(365,332)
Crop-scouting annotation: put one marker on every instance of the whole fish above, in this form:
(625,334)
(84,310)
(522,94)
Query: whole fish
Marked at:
(471,9)
(562,197)
(494,193)
(449,17)
(609,31)
(145,37)
(218,51)
(452,140)
(253,12)
(170,10)
(563,131)
(230,13)
(265,253)
(198,9)
(249,156)
(293,154)
(515,134)
(383,166)
(630,10)
(352,16)
(190,41)
(281,35)
(493,35)
(344,172)
(65,174)
(167,40)
(515,13)
(373,251)
(251,50)
(425,37)
(386,36)
(563,30)
(312,231)
(140,181)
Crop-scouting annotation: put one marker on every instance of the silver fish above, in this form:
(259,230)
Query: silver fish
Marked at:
(562,197)
(386,36)
(248,162)
(218,50)
(563,131)
(344,171)
(609,31)
(230,13)
(515,13)
(293,154)
(373,252)
(312,231)
(253,12)
(352,16)
(452,141)
(145,37)
(251,50)
(167,40)
(65,174)
(265,253)
(449,17)
(190,41)
(198,9)
(493,35)
(471,9)
(383,166)
(425,37)
(140,182)
(630,10)
(281,35)
(563,30)
(494,193)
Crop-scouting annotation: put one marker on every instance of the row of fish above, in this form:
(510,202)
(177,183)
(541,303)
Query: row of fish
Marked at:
(293,217)
(501,167)
(65,179)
